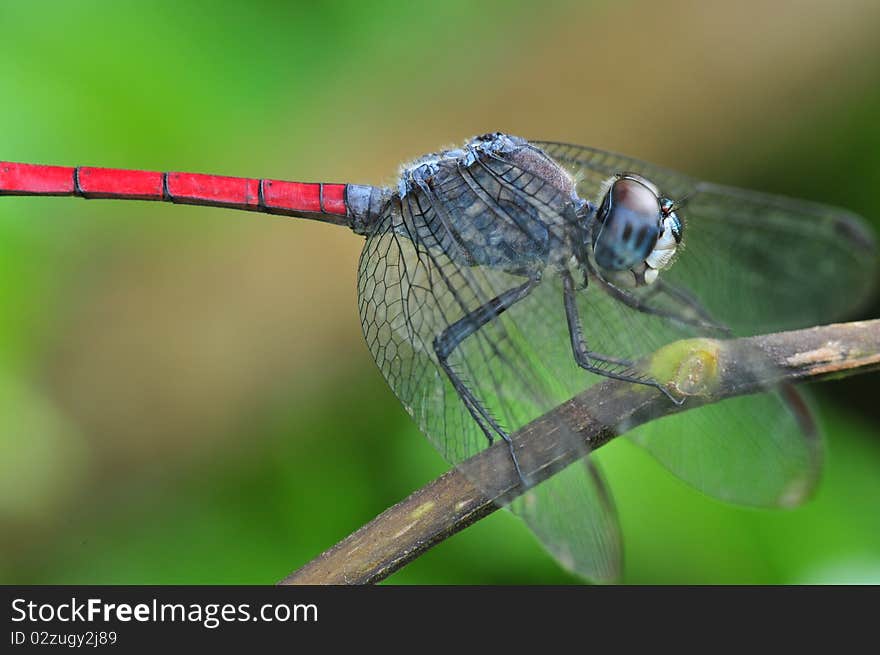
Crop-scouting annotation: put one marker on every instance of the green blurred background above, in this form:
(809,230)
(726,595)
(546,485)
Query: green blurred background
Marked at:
(184,392)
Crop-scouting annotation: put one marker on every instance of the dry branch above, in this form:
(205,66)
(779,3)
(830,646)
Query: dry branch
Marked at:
(705,370)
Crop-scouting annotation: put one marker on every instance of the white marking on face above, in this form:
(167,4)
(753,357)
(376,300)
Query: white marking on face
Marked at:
(664,252)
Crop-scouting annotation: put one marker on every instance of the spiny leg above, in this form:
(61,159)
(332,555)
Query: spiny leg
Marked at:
(684,299)
(690,301)
(452,337)
(584,357)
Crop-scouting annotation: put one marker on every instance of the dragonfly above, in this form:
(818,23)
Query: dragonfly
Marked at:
(502,277)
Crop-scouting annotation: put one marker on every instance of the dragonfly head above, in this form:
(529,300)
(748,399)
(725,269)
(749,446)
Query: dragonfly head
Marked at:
(635,232)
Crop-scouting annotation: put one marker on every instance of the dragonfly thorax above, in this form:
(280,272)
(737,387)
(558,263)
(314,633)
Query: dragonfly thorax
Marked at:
(497,201)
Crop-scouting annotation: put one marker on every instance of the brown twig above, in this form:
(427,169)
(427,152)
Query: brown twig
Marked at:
(704,370)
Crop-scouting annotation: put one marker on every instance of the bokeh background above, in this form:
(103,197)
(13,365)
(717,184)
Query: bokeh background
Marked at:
(184,392)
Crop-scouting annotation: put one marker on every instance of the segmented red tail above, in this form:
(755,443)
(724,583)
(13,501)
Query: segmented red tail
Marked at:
(327,202)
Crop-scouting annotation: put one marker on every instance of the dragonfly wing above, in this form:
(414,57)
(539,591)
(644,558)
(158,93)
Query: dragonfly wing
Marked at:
(573,516)
(749,262)
(751,450)
(760,450)
(757,262)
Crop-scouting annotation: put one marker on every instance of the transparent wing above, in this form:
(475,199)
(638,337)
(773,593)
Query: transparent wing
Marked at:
(750,262)
(757,262)
(552,510)
(415,280)
(756,450)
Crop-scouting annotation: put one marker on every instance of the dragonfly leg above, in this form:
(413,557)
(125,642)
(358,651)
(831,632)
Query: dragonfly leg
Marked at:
(689,301)
(455,334)
(691,311)
(586,358)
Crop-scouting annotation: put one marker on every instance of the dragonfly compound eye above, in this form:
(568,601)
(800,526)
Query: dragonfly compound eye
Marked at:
(628,224)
